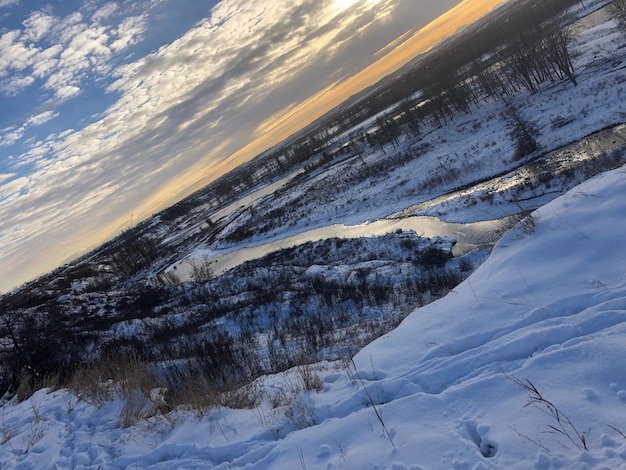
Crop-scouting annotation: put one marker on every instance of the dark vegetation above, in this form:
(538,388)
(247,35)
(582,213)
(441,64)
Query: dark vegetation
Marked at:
(520,47)
(321,300)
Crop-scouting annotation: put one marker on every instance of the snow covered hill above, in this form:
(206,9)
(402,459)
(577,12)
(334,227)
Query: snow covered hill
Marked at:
(519,367)
(443,390)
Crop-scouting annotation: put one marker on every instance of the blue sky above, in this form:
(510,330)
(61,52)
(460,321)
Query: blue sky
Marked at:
(113,108)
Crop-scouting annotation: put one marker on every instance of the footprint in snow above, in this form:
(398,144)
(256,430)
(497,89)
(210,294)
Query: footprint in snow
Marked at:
(324,452)
(478,434)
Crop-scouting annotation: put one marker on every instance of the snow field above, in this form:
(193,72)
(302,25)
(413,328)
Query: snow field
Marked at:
(547,306)
(438,392)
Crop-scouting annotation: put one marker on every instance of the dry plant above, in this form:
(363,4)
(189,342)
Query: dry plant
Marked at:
(309,378)
(618,431)
(193,391)
(301,409)
(563,424)
(245,397)
(302,461)
(35,427)
(8,430)
(297,402)
(377,411)
(124,376)
(170,278)
(293,401)
(30,383)
(201,271)
(527,219)
(137,407)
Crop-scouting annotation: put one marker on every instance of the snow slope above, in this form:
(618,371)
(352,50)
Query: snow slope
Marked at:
(548,306)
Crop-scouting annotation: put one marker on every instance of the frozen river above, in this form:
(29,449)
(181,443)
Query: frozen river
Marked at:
(468,236)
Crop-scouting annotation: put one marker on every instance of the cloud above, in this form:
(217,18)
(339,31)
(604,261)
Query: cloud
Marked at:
(128,33)
(180,113)
(14,85)
(37,25)
(6,176)
(6,3)
(40,118)
(11,135)
(105,12)
(65,52)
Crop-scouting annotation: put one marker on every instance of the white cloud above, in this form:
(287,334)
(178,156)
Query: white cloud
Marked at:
(37,25)
(47,61)
(104,12)
(68,91)
(189,105)
(15,84)
(6,3)
(6,176)
(64,52)
(14,54)
(41,118)
(129,32)
(11,135)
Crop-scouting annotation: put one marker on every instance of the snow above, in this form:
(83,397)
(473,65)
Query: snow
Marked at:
(471,148)
(444,390)
(547,306)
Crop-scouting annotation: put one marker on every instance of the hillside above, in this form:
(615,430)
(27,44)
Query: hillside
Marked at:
(436,285)
(548,308)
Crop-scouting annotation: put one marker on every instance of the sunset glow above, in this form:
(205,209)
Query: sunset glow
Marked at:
(123,108)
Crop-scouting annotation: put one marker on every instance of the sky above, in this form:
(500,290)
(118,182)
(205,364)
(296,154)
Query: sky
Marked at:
(113,110)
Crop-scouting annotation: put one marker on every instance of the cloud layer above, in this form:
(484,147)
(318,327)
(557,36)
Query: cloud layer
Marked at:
(64,52)
(179,112)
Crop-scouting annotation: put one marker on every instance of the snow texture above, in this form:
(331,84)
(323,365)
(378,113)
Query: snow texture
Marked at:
(441,391)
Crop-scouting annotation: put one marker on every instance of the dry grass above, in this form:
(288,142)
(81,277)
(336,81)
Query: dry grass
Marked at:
(563,425)
(30,383)
(125,377)
(112,377)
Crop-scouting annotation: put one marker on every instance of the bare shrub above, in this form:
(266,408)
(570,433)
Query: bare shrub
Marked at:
(170,278)
(298,403)
(193,389)
(522,131)
(112,377)
(309,378)
(618,9)
(30,383)
(201,271)
(527,220)
(134,254)
(354,377)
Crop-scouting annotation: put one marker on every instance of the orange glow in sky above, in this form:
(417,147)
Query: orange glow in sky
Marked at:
(290,120)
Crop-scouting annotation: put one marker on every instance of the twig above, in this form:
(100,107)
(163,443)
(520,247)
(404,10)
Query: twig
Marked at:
(302,462)
(371,401)
(537,443)
(564,426)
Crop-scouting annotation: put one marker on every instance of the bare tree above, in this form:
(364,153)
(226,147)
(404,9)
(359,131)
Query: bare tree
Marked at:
(134,254)
(201,271)
(618,8)
(522,131)
(558,39)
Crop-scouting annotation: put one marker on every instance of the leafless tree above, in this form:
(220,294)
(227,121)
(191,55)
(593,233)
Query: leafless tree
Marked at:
(618,8)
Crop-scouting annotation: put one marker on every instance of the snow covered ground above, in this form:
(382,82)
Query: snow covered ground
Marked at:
(440,391)
(445,390)
(473,147)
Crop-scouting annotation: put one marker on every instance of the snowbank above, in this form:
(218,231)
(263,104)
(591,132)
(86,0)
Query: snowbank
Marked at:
(548,306)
